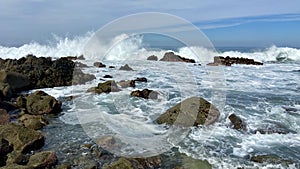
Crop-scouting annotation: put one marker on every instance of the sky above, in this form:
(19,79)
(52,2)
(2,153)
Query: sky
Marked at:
(224,22)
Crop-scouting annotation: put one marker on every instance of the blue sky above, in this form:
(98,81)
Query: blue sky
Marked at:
(225,22)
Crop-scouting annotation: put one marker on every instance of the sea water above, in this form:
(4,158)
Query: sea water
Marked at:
(266,96)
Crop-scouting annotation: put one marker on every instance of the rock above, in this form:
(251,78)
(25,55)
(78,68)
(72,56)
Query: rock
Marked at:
(23,139)
(237,122)
(99,64)
(111,67)
(21,101)
(153,58)
(270,159)
(108,143)
(7,106)
(39,103)
(122,163)
(126,67)
(11,82)
(40,160)
(5,148)
(17,158)
(107,76)
(4,117)
(228,61)
(81,65)
(81,78)
(34,122)
(190,112)
(171,57)
(146,94)
(127,83)
(106,87)
(191,163)
(150,162)
(81,57)
(142,79)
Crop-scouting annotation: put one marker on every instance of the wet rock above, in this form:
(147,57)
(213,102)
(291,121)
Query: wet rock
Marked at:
(150,162)
(17,158)
(99,64)
(21,101)
(126,68)
(191,163)
(270,159)
(4,117)
(146,94)
(23,139)
(42,160)
(127,83)
(237,122)
(190,112)
(81,57)
(34,122)
(39,103)
(5,148)
(107,76)
(7,106)
(228,61)
(106,87)
(153,58)
(122,163)
(171,57)
(108,143)
(111,67)
(141,79)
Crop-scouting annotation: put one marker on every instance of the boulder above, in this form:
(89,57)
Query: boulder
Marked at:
(45,159)
(4,117)
(23,139)
(190,112)
(5,148)
(17,158)
(111,67)
(122,163)
(39,103)
(237,122)
(34,122)
(126,68)
(127,83)
(228,61)
(99,64)
(171,57)
(153,58)
(106,87)
(107,76)
(141,79)
(146,94)
(270,159)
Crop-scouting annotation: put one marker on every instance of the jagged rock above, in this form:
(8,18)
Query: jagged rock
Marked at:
(126,67)
(106,87)
(107,76)
(45,159)
(270,159)
(152,57)
(39,103)
(171,57)
(34,122)
(146,94)
(237,122)
(99,64)
(23,139)
(127,83)
(142,79)
(122,163)
(228,61)
(4,117)
(190,112)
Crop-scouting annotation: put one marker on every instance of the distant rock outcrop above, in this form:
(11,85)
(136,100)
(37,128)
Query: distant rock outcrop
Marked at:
(228,61)
(153,58)
(171,57)
(126,68)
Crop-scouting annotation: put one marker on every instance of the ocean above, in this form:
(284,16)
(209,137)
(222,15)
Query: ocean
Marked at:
(265,97)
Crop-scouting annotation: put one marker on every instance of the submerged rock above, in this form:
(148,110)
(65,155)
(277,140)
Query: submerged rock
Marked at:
(39,103)
(190,112)
(237,122)
(126,68)
(146,94)
(23,139)
(228,61)
(106,87)
(153,58)
(171,57)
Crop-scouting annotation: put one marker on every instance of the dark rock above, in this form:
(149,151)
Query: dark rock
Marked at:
(152,57)
(34,122)
(228,61)
(122,163)
(21,101)
(111,67)
(107,76)
(4,117)
(171,57)
(106,87)
(142,79)
(99,64)
(41,160)
(270,159)
(81,57)
(5,148)
(127,83)
(190,112)
(23,139)
(17,158)
(126,67)
(39,103)
(237,122)
(150,162)
(7,106)
(146,94)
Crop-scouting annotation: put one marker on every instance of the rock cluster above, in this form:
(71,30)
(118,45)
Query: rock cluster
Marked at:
(171,57)
(228,61)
